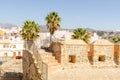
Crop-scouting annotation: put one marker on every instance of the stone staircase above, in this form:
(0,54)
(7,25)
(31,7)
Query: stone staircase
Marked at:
(50,60)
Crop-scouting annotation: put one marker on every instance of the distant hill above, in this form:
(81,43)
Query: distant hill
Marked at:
(43,28)
(90,30)
(7,25)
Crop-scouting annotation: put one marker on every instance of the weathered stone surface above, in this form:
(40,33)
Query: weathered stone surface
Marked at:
(104,48)
(56,48)
(117,53)
(30,70)
(62,50)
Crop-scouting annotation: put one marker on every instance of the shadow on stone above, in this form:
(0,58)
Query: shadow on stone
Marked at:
(1,62)
(12,76)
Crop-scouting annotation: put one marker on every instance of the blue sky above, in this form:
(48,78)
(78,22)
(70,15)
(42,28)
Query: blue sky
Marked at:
(96,14)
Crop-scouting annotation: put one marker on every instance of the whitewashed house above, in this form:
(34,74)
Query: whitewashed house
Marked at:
(63,35)
(44,40)
(94,37)
(11,48)
(59,35)
(11,45)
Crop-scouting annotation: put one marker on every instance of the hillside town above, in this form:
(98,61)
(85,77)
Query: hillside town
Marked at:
(11,40)
(11,35)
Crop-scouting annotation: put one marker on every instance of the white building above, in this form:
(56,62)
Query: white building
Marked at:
(44,40)
(59,35)
(63,35)
(94,37)
(11,48)
(11,45)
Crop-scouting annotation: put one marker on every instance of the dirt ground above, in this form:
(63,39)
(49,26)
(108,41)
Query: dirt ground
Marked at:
(87,72)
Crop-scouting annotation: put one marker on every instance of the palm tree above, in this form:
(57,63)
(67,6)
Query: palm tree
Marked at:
(53,23)
(81,34)
(29,32)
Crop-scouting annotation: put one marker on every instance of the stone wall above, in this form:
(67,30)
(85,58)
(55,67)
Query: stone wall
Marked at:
(101,49)
(117,53)
(56,48)
(77,48)
(30,69)
(107,50)
(80,51)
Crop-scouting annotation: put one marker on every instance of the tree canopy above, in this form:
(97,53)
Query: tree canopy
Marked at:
(30,30)
(116,39)
(53,22)
(81,34)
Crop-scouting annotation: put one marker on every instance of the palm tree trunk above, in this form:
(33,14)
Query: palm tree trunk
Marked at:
(50,39)
(50,47)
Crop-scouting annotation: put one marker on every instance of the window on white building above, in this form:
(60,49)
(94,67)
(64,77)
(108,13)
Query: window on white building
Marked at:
(6,45)
(19,53)
(3,45)
(14,54)
(14,46)
(5,54)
